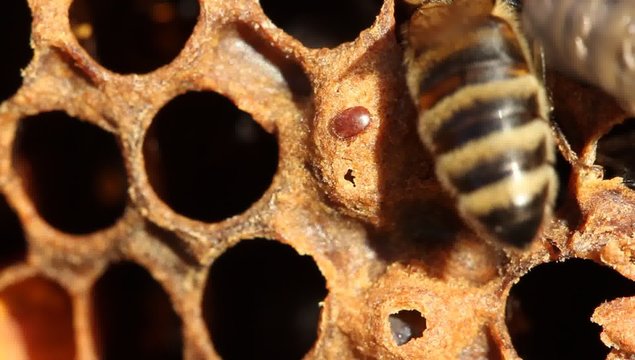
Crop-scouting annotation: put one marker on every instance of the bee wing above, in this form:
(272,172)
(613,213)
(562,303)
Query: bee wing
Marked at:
(592,40)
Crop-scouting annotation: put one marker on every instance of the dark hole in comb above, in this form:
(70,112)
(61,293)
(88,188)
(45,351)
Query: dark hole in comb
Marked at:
(133,316)
(563,171)
(549,310)
(615,153)
(15,32)
(72,170)
(38,315)
(262,301)
(207,159)
(322,23)
(12,242)
(406,325)
(133,36)
(350,177)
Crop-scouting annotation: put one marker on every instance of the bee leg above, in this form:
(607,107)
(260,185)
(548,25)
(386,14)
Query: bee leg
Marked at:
(569,154)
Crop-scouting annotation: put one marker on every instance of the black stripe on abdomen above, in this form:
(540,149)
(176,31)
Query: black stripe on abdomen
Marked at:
(494,56)
(501,166)
(517,224)
(481,120)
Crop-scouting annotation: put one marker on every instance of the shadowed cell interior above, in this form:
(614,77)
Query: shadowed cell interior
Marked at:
(549,310)
(15,32)
(262,301)
(133,317)
(12,242)
(36,321)
(615,153)
(207,159)
(133,36)
(326,23)
(72,170)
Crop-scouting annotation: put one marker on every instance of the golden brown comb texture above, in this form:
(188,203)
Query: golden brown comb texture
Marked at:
(122,247)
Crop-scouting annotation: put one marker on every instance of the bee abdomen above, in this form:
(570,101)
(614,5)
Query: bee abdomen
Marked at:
(483,116)
(495,55)
(482,119)
(513,209)
(493,157)
(510,163)
(503,178)
(517,224)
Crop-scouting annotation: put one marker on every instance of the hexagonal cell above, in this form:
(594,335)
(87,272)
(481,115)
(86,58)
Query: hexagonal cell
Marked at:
(322,23)
(133,36)
(278,64)
(262,301)
(549,310)
(36,321)
(12,242)
(15,32)
(133,317)
(72,170)
(206,159)
(615,153)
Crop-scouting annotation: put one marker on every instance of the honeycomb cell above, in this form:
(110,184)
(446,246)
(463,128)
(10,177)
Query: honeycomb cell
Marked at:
(72,171)
(549,310)
(406,325)
(15,32)
(368,204)
(322,23)
(36,321)
(295,79)
(262,302)
(133,316)
(12,242)
(206,159)
(615,153)
(135,36)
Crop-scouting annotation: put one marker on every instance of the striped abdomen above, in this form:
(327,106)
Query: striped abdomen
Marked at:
(482,114)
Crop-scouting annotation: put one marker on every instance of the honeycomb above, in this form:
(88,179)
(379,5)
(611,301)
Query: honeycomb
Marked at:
(243,180)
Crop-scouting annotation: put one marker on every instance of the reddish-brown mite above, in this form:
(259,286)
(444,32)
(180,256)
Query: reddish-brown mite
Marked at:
(350,122)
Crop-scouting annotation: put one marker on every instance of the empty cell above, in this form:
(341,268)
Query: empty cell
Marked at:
(133,317)
(12,242)
(282,64)
(262,301)
(72,171)
(207,159)
(325,23)
(549,310)
(133,36)
(615,153)
(15,33)
(36,321)
(563,171)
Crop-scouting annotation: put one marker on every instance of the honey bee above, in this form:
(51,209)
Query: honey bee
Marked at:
(591,39)
(483,115)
